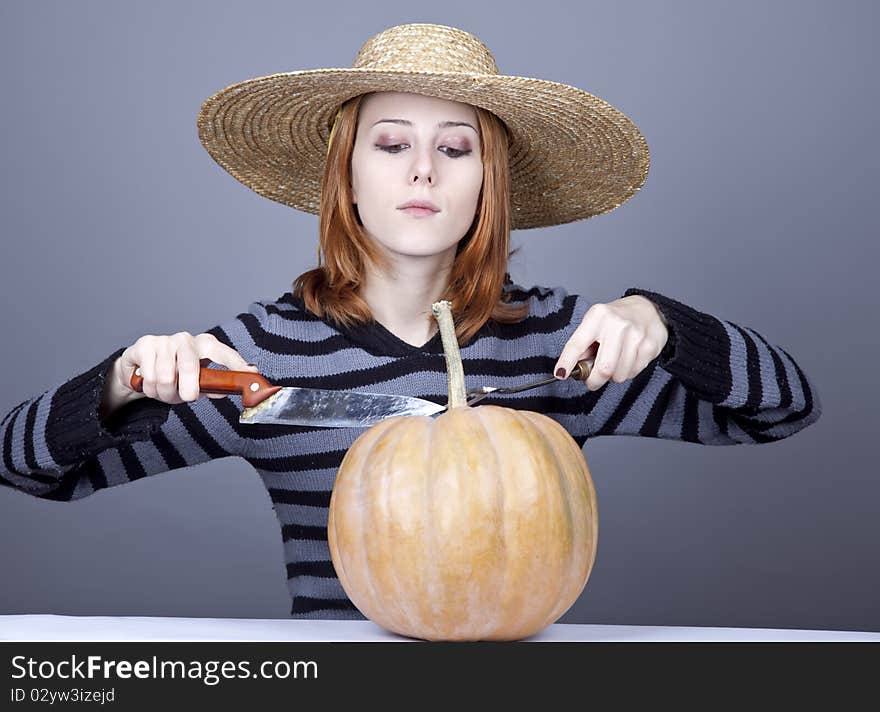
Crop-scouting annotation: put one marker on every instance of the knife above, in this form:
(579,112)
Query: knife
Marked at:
(326,408)
(289,405)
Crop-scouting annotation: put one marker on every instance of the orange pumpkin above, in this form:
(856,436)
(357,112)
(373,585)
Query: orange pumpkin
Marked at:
(478,524)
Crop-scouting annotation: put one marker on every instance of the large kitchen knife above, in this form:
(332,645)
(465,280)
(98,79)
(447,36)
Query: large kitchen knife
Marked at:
(289,405)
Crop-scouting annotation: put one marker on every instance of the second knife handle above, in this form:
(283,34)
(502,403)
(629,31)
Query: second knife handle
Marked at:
(583,369)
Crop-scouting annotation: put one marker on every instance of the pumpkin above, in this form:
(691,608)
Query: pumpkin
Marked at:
(477,524)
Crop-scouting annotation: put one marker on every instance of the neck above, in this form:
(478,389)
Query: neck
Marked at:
(401,301)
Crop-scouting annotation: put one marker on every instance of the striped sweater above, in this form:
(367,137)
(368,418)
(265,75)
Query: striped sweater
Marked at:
(715,383)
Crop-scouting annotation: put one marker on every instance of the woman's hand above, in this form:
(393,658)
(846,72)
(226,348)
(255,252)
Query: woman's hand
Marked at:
(170,369)
(622,337)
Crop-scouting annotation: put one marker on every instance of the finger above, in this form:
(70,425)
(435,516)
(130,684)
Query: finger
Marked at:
(606,361)
(166,372)
(208,346)
(589,356)
(140,359)
(146,361)
(129,362)
(579,344)
(626,364)
(188,367)
(224,355)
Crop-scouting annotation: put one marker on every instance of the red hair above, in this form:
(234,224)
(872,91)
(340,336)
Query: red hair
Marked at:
(479,271)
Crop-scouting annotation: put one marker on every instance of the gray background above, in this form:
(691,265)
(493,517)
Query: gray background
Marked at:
(759,208)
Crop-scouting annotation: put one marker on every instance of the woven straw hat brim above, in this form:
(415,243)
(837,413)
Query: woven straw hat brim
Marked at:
(573,156)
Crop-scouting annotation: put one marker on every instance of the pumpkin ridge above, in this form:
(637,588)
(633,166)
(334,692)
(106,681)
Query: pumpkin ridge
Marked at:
(528,593)
(446,619)
(538,444)
(342,550)
(588,493)
(593,507)
(363,490)
(430,543)
(409,427)
(501,494)
(563,470)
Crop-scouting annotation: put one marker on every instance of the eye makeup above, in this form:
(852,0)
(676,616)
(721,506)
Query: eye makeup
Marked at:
(455,148)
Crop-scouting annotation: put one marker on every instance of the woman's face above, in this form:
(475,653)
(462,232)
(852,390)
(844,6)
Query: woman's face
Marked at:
(416,147)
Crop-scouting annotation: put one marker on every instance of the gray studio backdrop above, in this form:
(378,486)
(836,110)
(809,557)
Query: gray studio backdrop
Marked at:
(759,209)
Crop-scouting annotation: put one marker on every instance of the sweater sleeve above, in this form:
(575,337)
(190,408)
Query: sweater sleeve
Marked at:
(714,383)
(56,446)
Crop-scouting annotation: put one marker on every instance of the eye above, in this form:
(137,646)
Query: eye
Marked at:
(456,152)
(392,148)
(398,147)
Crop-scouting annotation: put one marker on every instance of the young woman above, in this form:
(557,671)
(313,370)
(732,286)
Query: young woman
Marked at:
(419,160)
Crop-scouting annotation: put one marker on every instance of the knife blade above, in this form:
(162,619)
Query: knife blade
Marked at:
(290,405)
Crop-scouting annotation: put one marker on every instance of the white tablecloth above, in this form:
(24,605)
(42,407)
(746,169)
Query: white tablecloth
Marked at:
(45,627)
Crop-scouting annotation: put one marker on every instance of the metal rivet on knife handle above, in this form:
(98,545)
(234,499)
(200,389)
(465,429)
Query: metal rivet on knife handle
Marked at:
(254,389)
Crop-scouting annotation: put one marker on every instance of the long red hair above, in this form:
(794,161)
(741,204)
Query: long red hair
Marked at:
(479,271)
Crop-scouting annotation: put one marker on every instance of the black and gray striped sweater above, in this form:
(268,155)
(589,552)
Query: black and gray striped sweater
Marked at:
(715,383)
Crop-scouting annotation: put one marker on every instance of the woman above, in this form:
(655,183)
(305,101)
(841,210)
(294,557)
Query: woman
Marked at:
(423,116)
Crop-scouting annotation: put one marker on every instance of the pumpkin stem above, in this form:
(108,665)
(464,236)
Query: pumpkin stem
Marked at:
(455,371)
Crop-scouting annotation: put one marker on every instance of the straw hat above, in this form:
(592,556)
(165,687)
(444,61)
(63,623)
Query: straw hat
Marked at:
(572,155)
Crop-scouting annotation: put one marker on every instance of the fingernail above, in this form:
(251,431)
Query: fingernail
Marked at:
(560,372)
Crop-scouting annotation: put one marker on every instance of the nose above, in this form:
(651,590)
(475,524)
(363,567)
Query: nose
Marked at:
(422,169)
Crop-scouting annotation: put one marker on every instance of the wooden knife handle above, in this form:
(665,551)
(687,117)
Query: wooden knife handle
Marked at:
(253,387)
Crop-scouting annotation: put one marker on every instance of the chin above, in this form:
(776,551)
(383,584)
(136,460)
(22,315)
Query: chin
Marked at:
(427,248)
(415,255)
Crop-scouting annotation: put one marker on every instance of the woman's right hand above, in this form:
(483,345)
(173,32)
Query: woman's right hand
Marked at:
(170,367)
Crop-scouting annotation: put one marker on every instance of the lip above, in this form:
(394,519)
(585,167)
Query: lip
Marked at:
(417,212)
(424,205)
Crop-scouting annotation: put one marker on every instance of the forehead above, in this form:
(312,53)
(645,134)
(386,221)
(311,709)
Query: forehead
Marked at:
(415,107)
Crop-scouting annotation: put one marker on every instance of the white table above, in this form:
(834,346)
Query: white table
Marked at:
(46,627)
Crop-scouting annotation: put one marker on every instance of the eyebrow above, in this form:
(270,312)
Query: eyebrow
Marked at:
(441,125)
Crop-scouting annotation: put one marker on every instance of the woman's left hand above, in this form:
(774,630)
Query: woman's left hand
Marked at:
(622,337)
